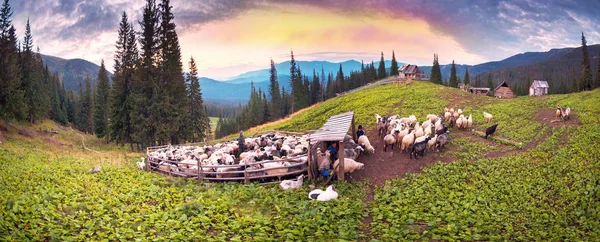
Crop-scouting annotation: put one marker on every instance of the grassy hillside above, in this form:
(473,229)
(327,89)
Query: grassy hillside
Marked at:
(549,192)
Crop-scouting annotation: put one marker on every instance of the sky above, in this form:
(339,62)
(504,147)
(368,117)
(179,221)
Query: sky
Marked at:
(231,37)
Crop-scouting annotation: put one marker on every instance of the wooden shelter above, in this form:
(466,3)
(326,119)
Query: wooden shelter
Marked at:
(503,91)
(483,91)
(335,129)
(538,88)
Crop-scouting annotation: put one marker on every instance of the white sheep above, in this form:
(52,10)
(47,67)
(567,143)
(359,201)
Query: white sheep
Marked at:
(419,131)
(413,119)
(390,140)
(447,116)
(432,117)
(280,171)
(459,111)
(488,116)
(349,165)
(363,140)
(459,122)
(407,141)
(431,143)
(470,121)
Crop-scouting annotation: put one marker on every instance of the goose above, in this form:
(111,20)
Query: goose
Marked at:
(140,164)
(291,184)
(320,195)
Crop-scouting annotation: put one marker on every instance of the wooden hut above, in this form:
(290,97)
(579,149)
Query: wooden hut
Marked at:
(335,129)
(482,91)
(538,88)
(503,91)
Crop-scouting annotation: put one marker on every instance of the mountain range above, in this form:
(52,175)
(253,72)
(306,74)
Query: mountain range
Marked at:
(237,89)
(72,71)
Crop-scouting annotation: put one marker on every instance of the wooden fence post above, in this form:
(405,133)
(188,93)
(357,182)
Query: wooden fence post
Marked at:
(341,158)
(309,159)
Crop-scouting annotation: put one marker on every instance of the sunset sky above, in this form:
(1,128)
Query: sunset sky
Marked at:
(228,38)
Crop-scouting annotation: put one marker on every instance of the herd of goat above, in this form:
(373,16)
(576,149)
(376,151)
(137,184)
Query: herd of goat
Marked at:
(416,138)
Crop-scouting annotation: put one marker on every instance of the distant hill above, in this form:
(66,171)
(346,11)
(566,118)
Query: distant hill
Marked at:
(522,59)
(559,68)
(72,71)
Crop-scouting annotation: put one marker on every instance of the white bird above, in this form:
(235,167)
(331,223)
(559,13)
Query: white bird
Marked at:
(320,195)
(141,164)
(291,184)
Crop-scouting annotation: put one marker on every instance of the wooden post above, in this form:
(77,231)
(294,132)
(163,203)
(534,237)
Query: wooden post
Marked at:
(309,159)
(245,176)
(341,158)
(354,131)
(198,167)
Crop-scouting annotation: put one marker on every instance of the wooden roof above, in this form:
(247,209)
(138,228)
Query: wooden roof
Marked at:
(335,129)
(502,84)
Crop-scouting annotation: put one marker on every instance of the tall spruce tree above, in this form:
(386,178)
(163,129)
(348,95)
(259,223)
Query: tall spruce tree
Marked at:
(586,68)
(266,112)
(453,78)
(394,67)
(196,111)
(101,104)
(315,89)
(381,73)
(87,108)
(122,97)
(31,78)
(276,109)
(293,81)
(339,79)
(12,105)
(146,111)
(467,80)
(171,102)
(436,72)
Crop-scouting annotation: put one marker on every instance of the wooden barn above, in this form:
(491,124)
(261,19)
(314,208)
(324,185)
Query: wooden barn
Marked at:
(503,91)
(538,88)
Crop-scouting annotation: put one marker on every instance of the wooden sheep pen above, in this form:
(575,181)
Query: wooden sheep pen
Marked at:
(298,166)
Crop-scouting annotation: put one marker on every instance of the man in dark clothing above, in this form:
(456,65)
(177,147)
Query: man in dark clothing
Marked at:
(360,131)
(333,151)
(241,144)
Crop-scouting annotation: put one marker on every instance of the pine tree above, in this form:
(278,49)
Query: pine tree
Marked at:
(72,108)
(170,95)
(436,73)
(86,108)
(562,86)
(276,104)
(266,111)
(381,73)
(101,104)
(196,111)
(453,78)
(293,81)
(339,79)
(31,79)
(122,97)
(394,67)
(286,102)
(146,110)
(490,82)
(12,105)
(467,80)
(323,94)
(586,73)
(315,89)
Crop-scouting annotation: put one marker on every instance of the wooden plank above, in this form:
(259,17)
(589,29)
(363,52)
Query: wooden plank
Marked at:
(309,161)
(341,173)
(353,130)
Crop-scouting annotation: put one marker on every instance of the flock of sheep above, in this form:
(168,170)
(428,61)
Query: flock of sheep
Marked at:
(409,135)
(270,154)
